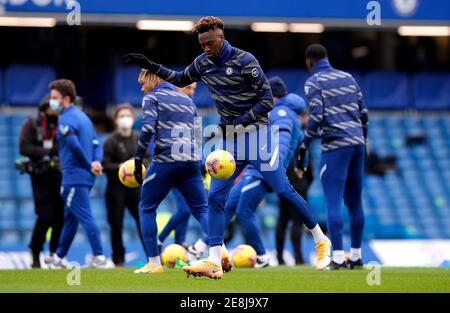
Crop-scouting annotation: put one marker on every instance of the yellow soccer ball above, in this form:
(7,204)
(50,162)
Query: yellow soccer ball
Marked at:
(126,174)
(173,252)
(244,256)
(220,164)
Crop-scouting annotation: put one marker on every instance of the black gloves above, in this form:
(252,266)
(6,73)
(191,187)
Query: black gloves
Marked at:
(301,158)
(138,171)
(140,60)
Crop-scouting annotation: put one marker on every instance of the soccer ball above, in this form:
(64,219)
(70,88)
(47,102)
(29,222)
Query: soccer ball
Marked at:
(220,164)
(126,174)
(244,256)
(173,252)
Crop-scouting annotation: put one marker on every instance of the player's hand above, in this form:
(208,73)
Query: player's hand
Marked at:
(138,171)
(301,159)
(299,173)
(96,168)
(137,59)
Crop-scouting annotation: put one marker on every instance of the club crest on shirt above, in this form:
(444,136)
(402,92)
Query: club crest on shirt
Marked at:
(229,71)
(255,72)
(282,112)
(63,129)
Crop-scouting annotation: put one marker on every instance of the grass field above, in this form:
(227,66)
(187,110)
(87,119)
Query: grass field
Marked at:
(278,279)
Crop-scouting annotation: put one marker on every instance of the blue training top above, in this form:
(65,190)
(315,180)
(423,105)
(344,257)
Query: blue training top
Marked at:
(337,112)
(235,81)
(78,147)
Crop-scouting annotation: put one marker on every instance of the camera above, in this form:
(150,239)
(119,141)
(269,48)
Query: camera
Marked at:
(41,166)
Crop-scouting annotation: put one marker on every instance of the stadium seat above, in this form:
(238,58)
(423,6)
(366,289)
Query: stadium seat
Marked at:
(386,90)
(25,85)
(431,91)
(126,86)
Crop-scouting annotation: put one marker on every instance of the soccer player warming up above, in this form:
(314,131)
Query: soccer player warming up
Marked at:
(243,98)
(337,111)
(167,113)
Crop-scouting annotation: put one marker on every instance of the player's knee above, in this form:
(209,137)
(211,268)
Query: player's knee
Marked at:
(216,201)
(244,215)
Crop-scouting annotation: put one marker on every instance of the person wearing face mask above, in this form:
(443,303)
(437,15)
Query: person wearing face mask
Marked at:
(118,148)
(81,155)
(38,143)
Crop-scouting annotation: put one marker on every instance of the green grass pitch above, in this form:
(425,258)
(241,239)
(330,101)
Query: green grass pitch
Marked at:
(277,279)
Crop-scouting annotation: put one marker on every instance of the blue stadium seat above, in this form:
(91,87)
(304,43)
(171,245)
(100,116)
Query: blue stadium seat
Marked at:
(431,91)
(126,86)
(27,84)
(386,90)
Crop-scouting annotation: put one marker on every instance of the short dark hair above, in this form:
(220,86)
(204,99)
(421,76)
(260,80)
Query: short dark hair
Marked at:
(208,23)
(316,52)
(66,87)
(124,106)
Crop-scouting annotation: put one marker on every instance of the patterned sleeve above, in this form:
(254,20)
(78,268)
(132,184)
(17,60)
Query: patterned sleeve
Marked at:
(149,119)
(180,78)
(315,117)
(363,112)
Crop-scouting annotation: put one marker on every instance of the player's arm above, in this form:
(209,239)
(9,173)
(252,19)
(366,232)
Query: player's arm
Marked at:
(26,145)
(149,118)
(73,144)
(179,78)
(363,113)
(254,75)
(315,116)
(108,156)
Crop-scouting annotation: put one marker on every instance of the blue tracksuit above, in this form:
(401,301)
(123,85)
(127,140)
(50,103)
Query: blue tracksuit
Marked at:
(338,115)
(169,117)
(246,195)
(78,147)
(243,96)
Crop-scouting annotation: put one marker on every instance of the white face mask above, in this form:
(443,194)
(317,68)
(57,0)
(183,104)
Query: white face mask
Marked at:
(125,122)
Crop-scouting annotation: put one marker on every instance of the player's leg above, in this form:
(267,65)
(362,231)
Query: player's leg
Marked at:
(115,206)
(178,221)
(132,202)
(216,225)
(333,174)
(70,223)
(280,230)
(81,208)
(252,194)
(353,201)
(156,186)
(274,174)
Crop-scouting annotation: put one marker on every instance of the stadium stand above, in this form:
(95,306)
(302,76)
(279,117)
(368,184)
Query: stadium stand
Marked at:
(25,85)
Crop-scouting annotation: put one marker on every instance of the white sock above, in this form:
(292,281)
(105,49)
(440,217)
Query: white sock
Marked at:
(200,245)
(355,254)
(338,256)
(224,248)
(215,255)
(318,234)
(155,261)
(100,257)
(264,256)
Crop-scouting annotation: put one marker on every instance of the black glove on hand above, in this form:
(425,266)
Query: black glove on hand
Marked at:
(140,60)
(301,159)
(138,171)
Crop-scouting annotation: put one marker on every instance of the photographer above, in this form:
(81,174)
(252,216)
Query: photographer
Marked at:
(38,143)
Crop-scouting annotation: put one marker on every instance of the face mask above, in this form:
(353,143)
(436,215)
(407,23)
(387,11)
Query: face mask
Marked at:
(125,122)
(54,105)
